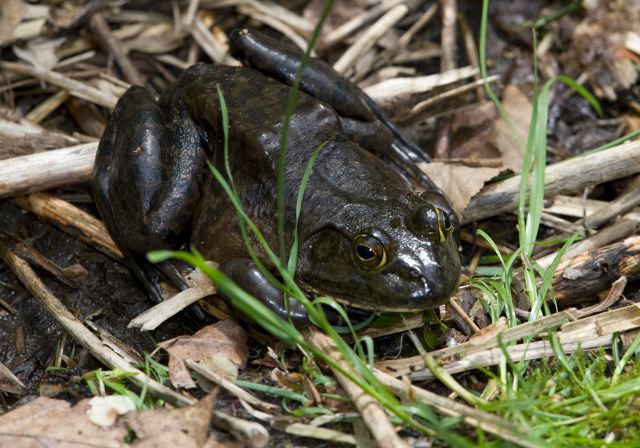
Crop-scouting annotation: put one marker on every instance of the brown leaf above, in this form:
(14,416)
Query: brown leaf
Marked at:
(512,146)
(221,346)
(184,427)
(460,183)
(55,423)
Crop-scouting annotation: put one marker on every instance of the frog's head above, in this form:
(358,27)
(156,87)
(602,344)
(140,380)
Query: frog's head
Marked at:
(388,255)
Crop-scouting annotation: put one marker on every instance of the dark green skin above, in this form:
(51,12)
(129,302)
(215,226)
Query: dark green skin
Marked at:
(153,189)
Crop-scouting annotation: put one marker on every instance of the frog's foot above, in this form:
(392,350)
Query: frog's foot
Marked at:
(246,274)
(150,276)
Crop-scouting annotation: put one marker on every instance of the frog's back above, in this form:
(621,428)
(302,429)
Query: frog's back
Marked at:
(256,107)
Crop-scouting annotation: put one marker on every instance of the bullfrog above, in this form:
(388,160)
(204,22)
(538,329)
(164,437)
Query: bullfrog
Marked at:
(367,237)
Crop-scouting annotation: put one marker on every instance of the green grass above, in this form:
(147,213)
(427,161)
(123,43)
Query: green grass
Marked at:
(569,400)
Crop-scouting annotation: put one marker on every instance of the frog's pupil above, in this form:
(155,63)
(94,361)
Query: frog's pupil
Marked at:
(365,252)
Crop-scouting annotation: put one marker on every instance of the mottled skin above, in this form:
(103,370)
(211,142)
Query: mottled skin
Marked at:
(366,237)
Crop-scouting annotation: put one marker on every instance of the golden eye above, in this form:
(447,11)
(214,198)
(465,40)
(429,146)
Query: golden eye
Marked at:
(444,224)
(369,252)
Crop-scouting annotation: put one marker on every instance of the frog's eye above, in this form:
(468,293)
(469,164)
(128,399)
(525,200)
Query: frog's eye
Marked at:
(369,252)
(444,224)
(433,222)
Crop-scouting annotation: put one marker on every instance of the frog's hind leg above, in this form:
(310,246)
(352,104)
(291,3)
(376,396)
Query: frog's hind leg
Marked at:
(134,185)
(363,120)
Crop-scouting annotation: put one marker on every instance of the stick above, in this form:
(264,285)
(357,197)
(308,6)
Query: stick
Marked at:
(110,44)
(629,224)
(372,414)
(562,177)
(72,220)
(81,334)
(46,170)
(75,88)
(370,37)
(474,417)
(592,272)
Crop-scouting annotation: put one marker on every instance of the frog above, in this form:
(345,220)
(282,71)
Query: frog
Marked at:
(374,232)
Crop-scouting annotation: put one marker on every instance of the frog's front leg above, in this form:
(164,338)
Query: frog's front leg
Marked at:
(146,181)
(246,274)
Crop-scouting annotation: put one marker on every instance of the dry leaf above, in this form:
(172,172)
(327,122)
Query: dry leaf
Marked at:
(11,14)
(186,427)
(222,347)
(56,424)
(512,146)
(40,53)
(460,183)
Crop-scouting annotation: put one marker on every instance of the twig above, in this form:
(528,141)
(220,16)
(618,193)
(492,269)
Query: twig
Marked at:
(81,334)
(465,317)
(563,177)
(71,275)
(46,170)
(357,22)
(370,410)
(422,106)
(229,386)
(254,434)
(406,365)
(42,110)
(388,89)
(474,417)
(156,315)
(370,37)
(629,224)
(616,207)
(330,435)
(75,88)
(110,44)
(615,293)
(9,382)
(72,220)
(587,274)
(447,62)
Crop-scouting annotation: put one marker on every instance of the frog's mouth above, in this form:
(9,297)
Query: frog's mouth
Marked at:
(356,303)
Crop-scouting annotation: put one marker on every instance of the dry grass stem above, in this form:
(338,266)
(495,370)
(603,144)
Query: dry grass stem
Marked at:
(75,88)
(357,22)
(368,39)
(474,417)
(314,432)
(423,106)
(230,387)
(386,91)
(156,315)
(371,411)
(530,329)
(42,110)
